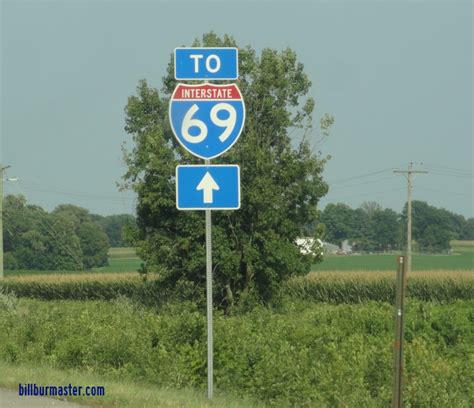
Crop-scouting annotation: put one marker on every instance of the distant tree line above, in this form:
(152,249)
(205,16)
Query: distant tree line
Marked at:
(373,228)
(68,238)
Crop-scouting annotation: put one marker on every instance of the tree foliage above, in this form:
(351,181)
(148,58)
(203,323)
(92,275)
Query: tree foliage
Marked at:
(433,228)
(94,241)
(34,239)
(254,248)
(371,227)
(385,224)
(371,208)
(66,239)
(468,230)
(338,222)
(114,226)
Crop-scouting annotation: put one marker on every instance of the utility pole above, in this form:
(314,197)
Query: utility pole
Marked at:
(404,269)
(2,169)
(409,174)
(397,398)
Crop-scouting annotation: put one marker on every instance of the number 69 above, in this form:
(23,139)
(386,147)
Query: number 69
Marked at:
(189,122)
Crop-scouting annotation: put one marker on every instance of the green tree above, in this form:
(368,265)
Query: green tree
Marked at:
(435,238)
(361,234)
(454,222)
(341,222)
(385,227)
(368,228)
(35,239)
(62,247)
(94,244)
(93,240)
(254,248)
(337,220)
(468,229)
(382,229)
(16,221)
(77,214)
(432,228)
(114,225)
(371,208)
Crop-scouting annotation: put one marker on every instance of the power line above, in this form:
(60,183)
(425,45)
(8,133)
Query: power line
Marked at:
(363,194)
(450,174)
(125,201)
(391,177)
(361,176)
(74,194)
(437,166)
(445,192)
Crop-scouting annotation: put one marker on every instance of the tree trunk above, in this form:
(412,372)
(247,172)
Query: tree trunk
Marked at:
(248,278)
(229,296)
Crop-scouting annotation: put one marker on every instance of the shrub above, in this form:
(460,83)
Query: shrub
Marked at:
(307,355)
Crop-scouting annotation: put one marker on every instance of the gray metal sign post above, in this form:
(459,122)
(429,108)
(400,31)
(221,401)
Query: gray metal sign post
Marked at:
(210,342)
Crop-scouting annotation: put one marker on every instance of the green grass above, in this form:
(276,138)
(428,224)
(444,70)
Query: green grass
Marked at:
(121,265)
(121,260)
(126,394)
(388,262)
(123,252)
(462,258)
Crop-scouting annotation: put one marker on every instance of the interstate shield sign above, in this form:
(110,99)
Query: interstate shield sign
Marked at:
(207,119)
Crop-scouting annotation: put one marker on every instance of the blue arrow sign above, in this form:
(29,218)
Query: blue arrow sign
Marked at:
(207,119)
(206,63)
(208,187)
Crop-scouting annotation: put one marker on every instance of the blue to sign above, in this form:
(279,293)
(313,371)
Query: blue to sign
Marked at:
(208,187)
(206,63)
(207,119)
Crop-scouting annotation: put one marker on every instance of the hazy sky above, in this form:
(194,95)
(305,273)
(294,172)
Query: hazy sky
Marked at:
(396,75)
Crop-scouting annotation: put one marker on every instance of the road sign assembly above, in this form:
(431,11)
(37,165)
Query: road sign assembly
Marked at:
(207,119)
(205,63)
(208,187)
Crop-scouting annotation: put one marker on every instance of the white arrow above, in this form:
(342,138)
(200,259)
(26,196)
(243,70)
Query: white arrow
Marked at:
(207,184)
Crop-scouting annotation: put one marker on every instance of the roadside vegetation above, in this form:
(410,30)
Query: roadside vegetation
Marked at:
(299,354)
(329,336)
